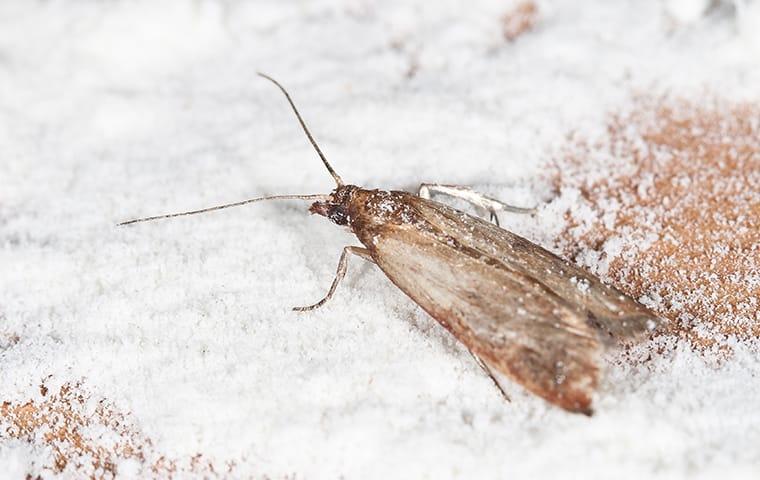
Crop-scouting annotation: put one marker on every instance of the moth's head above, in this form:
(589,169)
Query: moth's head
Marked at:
(335,208)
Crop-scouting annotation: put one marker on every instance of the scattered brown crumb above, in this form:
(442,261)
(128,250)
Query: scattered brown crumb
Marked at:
(401,46)
(520,19)
(58,422)
(88,438)
(7,340)
(673,209)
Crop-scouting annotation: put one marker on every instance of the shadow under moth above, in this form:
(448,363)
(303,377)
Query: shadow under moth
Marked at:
(519,309)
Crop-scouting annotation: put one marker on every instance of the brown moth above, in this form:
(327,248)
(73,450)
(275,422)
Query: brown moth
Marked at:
(521,310)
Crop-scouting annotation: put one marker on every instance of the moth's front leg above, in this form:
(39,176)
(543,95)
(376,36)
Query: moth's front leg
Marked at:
(339,274)
(491,205)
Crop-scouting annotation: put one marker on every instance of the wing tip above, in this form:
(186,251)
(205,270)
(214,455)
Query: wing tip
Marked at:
(587,411)
(581,406)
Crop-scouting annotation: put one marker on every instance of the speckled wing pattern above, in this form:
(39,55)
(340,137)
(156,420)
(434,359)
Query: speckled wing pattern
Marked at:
(524,311)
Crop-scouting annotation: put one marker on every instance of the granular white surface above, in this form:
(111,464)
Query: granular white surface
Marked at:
(112,110)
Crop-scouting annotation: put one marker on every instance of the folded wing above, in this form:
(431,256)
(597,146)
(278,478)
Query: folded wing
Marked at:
(524,311)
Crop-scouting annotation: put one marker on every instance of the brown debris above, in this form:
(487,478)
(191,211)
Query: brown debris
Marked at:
(674,196)
(519,20)
(59,421)
(63,425)
(8,340)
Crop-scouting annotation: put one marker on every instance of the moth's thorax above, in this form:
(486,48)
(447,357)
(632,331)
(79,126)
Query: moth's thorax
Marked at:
(377,208)
(361,209)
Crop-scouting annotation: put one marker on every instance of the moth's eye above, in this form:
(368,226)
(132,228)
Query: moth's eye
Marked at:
(338,216)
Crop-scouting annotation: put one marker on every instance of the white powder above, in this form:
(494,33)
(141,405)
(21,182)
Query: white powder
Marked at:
(120,109)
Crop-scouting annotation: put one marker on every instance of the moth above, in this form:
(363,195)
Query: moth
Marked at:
(522,311)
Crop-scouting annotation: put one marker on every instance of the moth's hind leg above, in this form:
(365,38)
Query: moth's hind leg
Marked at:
(490,375)
(339,274)
(491,205)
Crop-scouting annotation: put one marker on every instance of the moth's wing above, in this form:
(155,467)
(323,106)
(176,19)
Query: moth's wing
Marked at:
(514,323)
(617,317)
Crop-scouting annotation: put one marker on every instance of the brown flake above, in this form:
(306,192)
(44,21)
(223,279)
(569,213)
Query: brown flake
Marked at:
(519,20)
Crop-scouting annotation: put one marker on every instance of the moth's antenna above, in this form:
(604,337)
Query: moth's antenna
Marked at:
(228,205)
(337,178)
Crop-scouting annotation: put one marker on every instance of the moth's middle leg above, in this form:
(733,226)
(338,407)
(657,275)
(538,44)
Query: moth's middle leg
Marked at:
(339,274)
(491,205)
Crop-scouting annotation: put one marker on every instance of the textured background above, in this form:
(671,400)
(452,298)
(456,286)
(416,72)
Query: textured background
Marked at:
(170,349)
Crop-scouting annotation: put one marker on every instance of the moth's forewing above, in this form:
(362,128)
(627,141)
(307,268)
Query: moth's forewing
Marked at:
(617,316)
(509,301)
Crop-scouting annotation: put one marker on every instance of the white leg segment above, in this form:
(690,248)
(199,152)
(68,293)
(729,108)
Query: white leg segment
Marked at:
(491,205)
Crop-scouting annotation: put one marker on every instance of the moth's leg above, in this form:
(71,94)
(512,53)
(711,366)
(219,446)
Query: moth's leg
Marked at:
(492,217)
(491,205)
(490,375)
(339,274)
